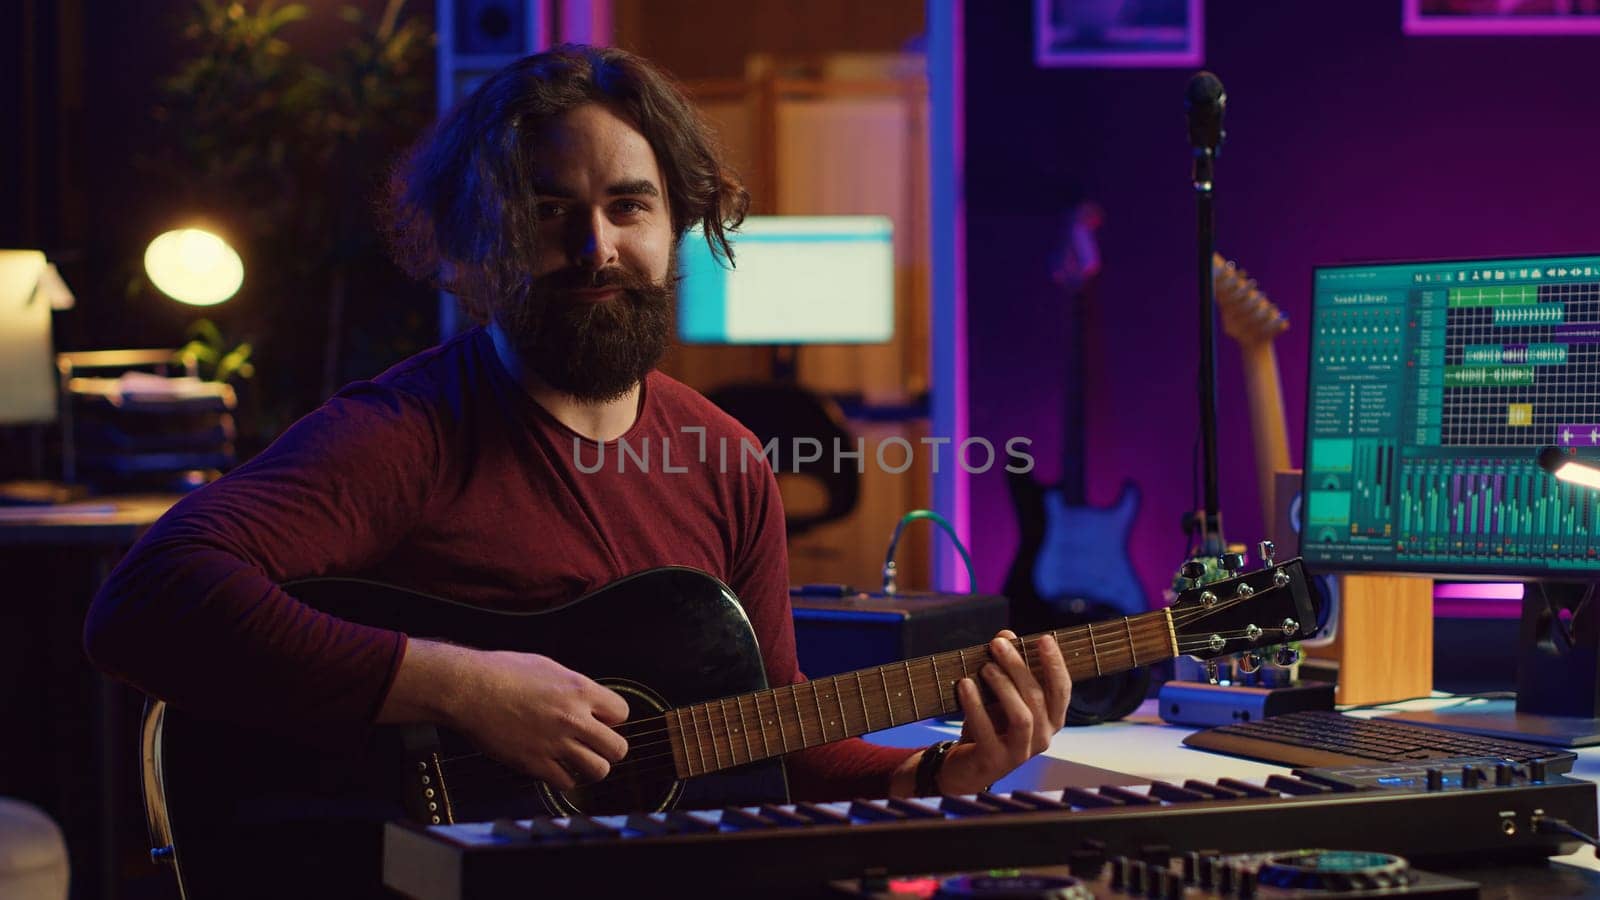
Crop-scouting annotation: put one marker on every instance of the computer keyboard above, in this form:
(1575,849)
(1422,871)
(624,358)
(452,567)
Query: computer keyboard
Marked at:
(1319,738)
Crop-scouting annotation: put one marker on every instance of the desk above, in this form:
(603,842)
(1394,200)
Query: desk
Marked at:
(1147,748)
(52,560)
(114,522)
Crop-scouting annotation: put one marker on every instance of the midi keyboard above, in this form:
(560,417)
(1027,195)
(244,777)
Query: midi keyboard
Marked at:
(1476,807)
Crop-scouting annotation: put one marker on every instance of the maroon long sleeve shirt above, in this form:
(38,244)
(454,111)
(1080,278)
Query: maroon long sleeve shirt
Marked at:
(444,476)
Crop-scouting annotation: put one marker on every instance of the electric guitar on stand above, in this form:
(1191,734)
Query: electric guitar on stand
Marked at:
(1254,322)
(1072,563)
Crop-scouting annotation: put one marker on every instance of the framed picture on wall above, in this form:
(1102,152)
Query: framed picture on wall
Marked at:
(1118,33)
(1502,16)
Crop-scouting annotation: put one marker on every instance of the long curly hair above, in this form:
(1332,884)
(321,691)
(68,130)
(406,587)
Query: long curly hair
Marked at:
(459,211)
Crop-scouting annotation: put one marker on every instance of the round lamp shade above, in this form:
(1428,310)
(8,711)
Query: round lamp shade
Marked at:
(194,266)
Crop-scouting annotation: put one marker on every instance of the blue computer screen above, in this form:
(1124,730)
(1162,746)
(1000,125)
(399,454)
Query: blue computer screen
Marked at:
(797,280)
(1432,387)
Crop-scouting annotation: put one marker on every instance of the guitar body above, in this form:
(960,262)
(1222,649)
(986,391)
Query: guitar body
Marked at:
(247,808)
(1072,559)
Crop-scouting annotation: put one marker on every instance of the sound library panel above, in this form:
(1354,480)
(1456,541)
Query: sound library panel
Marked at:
(1432,388)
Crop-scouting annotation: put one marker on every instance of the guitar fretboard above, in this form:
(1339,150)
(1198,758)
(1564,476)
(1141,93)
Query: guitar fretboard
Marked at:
(716,735)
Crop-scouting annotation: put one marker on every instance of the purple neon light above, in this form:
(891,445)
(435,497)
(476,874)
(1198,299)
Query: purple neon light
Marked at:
(947,154)
(1478,590)
(1417,22)
(1477,599)
(586,22)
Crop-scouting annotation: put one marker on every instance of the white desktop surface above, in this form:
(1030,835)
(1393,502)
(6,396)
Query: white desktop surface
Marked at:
(1145,747)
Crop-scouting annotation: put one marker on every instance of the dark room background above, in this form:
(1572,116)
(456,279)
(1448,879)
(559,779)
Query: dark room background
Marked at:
(118,152)
(1346,140)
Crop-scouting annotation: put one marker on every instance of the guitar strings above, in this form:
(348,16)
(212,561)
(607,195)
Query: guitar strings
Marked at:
(725,746)
(662,764)
(652,727)
(1185,644)
(710,732)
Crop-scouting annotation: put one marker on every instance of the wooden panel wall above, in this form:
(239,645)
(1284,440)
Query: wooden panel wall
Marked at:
(822,113)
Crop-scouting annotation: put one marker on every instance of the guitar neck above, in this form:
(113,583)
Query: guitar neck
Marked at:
(719,734)
(1264,390)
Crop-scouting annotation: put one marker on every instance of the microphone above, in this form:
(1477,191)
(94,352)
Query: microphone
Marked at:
(1205,100)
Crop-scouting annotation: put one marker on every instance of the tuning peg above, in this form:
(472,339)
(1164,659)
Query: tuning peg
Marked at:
(1268,550)
(1286,657)
(1194,570)
(1249,663)
(1231,562)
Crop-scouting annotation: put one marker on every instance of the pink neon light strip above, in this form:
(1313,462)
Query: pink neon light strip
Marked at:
(1416,22)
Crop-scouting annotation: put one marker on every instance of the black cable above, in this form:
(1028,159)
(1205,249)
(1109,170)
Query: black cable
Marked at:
(1551,825)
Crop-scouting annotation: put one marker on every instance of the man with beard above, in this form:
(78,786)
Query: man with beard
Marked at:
(552,200)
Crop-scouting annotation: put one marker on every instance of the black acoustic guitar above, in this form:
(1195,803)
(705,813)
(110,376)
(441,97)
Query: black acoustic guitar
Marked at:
(247,813)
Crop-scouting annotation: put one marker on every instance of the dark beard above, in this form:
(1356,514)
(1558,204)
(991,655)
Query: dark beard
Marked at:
(593,350)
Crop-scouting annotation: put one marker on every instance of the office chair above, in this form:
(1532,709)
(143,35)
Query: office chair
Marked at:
(786,412)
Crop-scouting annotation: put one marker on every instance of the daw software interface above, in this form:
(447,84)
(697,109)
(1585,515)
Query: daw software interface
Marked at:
(1432,387)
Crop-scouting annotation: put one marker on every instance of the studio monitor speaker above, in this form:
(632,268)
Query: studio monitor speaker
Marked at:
(491,27)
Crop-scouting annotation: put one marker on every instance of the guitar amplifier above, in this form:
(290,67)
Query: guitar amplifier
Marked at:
(840,630)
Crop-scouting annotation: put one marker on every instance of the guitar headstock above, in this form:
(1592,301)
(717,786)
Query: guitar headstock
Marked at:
(1274,605)
(1076,261)
(1247,315)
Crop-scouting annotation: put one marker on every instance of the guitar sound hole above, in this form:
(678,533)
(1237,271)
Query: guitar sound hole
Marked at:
(644,780)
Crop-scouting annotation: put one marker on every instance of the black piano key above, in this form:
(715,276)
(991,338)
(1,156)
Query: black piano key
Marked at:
(1283,784)
(510,829)
(1339,783)
(536,829)
(1162,790)
(783,816)
(1088,799)
(1037,800)
(1003,803)
(587,828)
(820,815)
(743,819)
(1211,790)
(1132,798)
(686,823)
(871,812)
(913,809)
(649,827)
(961,806)
(1245,788)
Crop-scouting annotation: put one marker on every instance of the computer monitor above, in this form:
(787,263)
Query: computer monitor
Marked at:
(27,358)
(797,280)
(1432,387)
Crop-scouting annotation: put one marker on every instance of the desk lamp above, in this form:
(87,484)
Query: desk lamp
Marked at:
(194,266)
(1563,464)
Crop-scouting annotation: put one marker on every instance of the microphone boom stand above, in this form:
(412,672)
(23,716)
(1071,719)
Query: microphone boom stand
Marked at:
(1211,541)
(1209,702)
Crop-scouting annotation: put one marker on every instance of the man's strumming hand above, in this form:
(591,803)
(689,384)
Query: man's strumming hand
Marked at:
(523,709)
